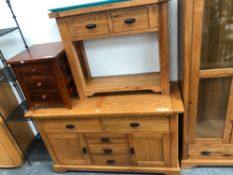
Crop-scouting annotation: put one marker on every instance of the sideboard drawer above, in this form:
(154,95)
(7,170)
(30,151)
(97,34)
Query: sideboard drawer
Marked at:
(109,149)
(45,95)
(72,125)
(40,82)
(111,160)
(146,124)
(104,138)
(130,19)
(83,27)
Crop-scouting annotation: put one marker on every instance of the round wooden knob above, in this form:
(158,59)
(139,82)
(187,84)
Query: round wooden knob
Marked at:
(39,84)
(43,96)
(34,70)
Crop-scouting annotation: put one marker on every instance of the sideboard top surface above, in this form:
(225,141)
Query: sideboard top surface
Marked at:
(117,105)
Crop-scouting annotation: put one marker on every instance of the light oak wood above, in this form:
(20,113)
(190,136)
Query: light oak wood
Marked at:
(149,81)
(96,138)
(140,15)
(8,101)
(14,157)
(111,105)
(149,17)
(116,6)
(113,160)
(116,146)
(69,148)
(205,75)
(116,149)
(77,26)
(77,125)
(148,124)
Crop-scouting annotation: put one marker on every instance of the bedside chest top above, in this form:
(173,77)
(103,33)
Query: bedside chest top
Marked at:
(143,104)
(39,52)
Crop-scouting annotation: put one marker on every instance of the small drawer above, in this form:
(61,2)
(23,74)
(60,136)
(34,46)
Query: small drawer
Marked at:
(40,82)
(111,160)
(130,19)
(135,124)
(72,125)
(35,69)
(83,27)
(45,95)
(106,138)
(109,149)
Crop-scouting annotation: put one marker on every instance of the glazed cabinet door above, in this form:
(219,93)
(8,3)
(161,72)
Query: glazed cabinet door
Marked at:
(211,72)
(151,149)
(70,148)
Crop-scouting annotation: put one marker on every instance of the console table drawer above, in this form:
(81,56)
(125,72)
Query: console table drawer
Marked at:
(72,125)
(130,19)
(146,124)
(86,26)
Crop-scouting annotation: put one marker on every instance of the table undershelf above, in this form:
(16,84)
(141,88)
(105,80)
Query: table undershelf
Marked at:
(134,82)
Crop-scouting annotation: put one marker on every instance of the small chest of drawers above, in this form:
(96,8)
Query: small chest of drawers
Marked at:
(44,75)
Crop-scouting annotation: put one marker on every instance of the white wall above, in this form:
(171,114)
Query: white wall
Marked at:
(121,55)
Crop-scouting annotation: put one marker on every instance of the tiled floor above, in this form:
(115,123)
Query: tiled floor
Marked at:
(45,168)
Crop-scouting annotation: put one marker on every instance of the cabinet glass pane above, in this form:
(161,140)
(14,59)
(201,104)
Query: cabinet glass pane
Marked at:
(212,107)
(217,34)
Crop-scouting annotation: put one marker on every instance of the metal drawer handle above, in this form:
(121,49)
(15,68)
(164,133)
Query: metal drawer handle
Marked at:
(205,153)
(111,161)
(39,84)
(130,21)
(84,150)
(34,70)
(131,151)
(108,151)
(105,139)
(70,126)
(44,96)
(91,26)
(134,125)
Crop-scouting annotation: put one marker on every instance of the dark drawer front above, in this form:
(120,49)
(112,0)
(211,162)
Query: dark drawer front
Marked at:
(40,82)
(36,69)
(45,95)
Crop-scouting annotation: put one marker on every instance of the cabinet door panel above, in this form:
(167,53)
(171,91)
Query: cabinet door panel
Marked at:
(212,107)
(151,149)
(5,159)
(69,148)
(217,42)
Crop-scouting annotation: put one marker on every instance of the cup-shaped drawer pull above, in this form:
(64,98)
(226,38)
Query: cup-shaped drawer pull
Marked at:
(84,150)
(110,162)
(108,151)
(130,20)
(70,126)
(134,125)
(91,26)
(34,70)
(105,139)
(205,153)
(44,96)
(131,151)
(39,84)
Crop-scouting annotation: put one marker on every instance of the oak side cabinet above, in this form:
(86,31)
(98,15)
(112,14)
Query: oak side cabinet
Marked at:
(206,72)
(115,133)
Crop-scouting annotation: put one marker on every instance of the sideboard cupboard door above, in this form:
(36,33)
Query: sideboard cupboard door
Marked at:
(5,159)
(70,148)
(150,149)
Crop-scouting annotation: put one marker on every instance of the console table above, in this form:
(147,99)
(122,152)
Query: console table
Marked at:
(122,18)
